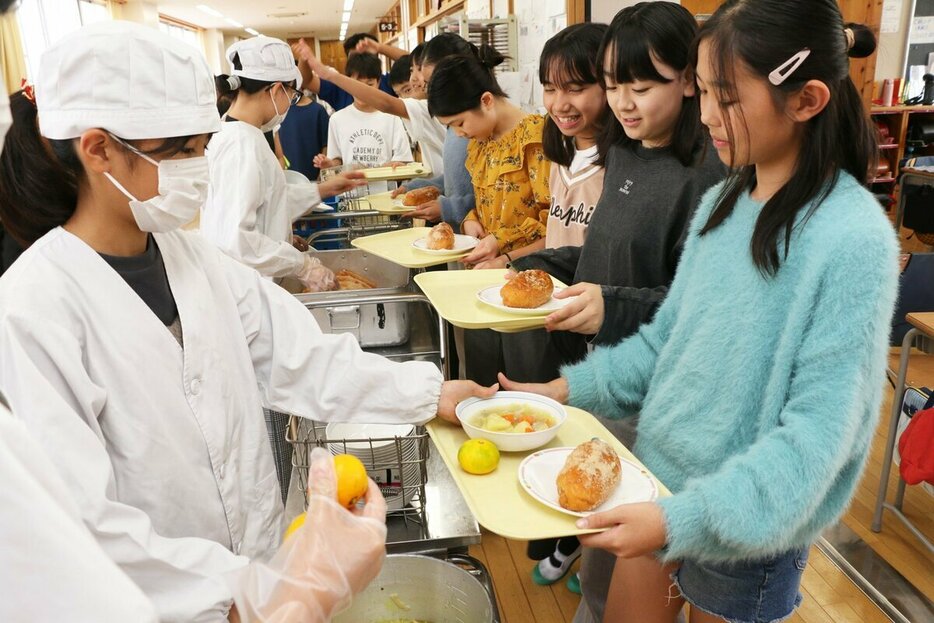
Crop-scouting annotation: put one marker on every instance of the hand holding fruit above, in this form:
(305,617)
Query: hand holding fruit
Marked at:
(329,557)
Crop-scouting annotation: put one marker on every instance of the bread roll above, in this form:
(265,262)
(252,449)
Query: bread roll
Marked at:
(420,195)
(349,280)
(440,237)
(590,474)
(528,289)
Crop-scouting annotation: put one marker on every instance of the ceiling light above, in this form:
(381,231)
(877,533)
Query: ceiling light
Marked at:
(252,32)
(233,22)
(346,17)
(206,9)
(348,5)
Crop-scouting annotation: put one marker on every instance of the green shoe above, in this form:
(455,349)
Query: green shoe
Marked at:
(539,579)
(574,583)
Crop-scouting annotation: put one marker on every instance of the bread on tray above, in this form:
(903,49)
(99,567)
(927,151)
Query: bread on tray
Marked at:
(420,195)
(440,237)
(528,289)
(349,280)
(590,474)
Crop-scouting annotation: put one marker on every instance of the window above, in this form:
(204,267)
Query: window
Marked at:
(186,33)
(43,22)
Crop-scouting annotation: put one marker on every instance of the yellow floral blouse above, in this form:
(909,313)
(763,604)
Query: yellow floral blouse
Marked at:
(510,180)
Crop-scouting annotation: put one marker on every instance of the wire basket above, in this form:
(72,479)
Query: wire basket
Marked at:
(397,464)
(354,200)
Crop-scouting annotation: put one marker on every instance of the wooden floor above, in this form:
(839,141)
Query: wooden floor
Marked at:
(829,596)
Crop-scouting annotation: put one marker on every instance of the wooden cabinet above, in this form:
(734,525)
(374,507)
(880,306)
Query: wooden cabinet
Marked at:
(332,54)
(899,140)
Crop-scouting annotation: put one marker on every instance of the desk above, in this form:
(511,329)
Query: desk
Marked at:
(921,324)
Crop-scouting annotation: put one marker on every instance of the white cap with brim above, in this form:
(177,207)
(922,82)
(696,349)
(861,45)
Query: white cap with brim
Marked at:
(131,80)
(265,58)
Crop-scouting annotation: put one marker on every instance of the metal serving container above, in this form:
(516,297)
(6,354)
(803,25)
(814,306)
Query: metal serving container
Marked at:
(373,324)
(421,588)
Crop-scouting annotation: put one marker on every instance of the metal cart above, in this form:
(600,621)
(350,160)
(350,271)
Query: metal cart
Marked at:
(353,213)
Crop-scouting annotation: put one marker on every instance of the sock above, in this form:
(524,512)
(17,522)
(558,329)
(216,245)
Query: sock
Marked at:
(556,565)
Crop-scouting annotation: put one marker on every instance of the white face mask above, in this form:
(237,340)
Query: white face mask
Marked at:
(183,189)
(277,120)
(6,118)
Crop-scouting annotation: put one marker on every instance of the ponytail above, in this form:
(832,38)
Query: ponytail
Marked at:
(39,178)
(460,81)
(490,57)
(228,87)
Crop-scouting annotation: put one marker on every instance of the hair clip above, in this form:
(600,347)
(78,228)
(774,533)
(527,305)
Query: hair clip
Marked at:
(28,91)
(781,73)
(233,82)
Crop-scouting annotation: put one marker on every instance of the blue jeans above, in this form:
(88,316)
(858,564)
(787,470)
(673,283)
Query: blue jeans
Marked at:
(758,591)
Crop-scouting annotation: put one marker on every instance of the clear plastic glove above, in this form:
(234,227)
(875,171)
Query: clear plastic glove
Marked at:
(331,557)
(315,276)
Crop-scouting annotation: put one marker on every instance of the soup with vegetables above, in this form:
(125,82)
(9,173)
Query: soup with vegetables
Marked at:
(514,418)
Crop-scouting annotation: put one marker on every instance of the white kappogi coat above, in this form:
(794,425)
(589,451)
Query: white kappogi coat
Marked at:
(252,202)
(51,568)
(159,442)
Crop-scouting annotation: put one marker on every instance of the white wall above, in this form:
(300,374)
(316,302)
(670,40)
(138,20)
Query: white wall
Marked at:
(890,54)
(142,11)
(604,10)
(214,48)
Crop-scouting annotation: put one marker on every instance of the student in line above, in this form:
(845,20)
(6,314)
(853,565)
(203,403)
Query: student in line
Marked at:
(773,336)
(508,169)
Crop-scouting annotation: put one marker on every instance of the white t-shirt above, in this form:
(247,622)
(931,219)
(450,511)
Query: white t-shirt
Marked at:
(368,138)
(427,131)
(582,158)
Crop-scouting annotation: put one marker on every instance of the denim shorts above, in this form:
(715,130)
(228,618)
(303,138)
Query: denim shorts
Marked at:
(758,591)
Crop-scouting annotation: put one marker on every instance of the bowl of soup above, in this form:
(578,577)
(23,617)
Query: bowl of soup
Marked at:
(514,421)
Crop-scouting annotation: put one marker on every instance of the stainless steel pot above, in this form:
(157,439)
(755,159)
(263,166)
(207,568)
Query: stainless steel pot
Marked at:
(434,590)
(375,324)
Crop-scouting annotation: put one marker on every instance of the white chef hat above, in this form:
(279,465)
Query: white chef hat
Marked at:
(265,58)
(129,79)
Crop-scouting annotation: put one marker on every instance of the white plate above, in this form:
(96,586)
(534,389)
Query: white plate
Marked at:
(490,295)
(539,471)
(462,244)
(322,207)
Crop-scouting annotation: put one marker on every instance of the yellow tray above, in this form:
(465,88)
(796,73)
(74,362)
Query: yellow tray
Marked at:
(396,246)
(402,172)
(385,204)
(454,295)
(499,502)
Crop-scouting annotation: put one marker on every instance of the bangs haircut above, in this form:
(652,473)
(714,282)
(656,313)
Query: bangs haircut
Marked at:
(632,58)
(663,32)
(570,56)
(570,59)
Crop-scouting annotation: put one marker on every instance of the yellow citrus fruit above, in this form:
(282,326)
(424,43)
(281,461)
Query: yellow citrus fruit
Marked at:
(351,480)
(478,456)
(295,525)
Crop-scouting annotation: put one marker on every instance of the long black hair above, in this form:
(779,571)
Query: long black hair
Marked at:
(636,34)
(459,82)
(570,57)
(39,178)
(764,35)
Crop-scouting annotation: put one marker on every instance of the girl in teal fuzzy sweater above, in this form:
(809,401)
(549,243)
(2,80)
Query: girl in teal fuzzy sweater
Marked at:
(759,380)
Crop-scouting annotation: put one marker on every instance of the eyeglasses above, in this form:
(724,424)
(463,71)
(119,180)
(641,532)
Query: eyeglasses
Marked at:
(294,95)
